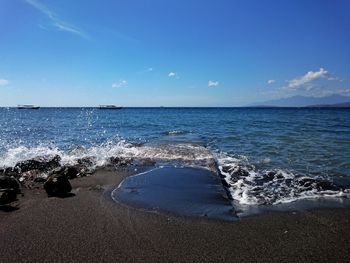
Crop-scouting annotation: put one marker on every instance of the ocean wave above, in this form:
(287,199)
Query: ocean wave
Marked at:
(245,184)
(249,186)
(100,155)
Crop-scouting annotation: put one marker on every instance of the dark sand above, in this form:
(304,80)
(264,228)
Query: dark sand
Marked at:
(90,227)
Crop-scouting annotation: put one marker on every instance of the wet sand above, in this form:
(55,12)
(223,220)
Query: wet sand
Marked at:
(90,227)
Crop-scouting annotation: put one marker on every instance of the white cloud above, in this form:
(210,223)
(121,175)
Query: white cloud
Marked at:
(300,82)
(213,83)
(172,74)
(4,82)
(120,84)
(335,79)
(56,22)
(270,81)
(345,92)
(150,69)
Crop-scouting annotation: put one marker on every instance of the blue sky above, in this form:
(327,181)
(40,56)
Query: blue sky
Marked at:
(171,53)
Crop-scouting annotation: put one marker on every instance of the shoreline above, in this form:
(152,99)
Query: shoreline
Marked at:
(91,226)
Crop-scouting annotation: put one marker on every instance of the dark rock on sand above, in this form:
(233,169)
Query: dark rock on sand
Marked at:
(86,161)
(10,171)
(39,180)
(39,163)
(85,166)
(31,175)
(33,179)
(9,182)
(57,185)
(118,161)
(70,172)
(9,188)
(7,196)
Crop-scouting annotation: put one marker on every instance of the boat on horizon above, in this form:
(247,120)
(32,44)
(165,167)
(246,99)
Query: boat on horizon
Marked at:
(28,107)
(109,107)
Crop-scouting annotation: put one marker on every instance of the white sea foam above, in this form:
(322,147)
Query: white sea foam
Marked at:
(249,186)
(246,184)
(21,153)
(177,132)
(101,154)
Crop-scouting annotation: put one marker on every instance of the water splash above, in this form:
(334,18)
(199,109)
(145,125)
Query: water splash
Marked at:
(250,186)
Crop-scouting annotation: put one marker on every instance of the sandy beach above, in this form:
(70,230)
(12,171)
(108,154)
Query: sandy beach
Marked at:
(174,131)
(90,227)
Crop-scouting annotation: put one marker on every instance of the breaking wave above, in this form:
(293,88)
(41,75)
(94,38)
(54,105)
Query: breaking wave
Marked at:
(245,184)
(248,186)
(100,155)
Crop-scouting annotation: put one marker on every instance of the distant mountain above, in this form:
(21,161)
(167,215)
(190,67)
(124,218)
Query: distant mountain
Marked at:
(338,105)
(303,101)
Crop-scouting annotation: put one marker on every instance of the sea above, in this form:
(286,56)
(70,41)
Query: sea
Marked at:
(265,156)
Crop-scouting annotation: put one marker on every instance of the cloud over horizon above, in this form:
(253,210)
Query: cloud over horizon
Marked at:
(4,82)
(213,83)
(172,74)
(301,82)
(120,84)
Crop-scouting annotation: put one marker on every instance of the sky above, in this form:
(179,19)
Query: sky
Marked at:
(171,53)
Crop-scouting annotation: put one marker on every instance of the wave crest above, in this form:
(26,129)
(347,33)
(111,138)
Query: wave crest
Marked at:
(100,155)
(248,186)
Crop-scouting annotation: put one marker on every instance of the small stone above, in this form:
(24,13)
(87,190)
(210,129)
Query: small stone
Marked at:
(9,188)
(57,185)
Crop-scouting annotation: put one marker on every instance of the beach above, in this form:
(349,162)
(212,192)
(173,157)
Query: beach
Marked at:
(174,131)
(91,227)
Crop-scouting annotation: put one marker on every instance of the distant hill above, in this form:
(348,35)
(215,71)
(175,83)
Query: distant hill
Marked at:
(303,101)
(338,105)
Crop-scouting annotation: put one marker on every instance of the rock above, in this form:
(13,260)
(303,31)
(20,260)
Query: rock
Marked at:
(9,188)
(306,182)
(39,180)
(85,166)
(86,161)
(30,179)
(70,171)
(226,169)
(31,175)
(269,176)
(326,185)
(280,176)
(7,196)
(57,185)
(117,161)
(39,163)
(10,171)
(240,172)
(9,182)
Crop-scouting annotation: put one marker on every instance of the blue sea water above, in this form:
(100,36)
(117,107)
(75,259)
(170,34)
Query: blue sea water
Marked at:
(248,144)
